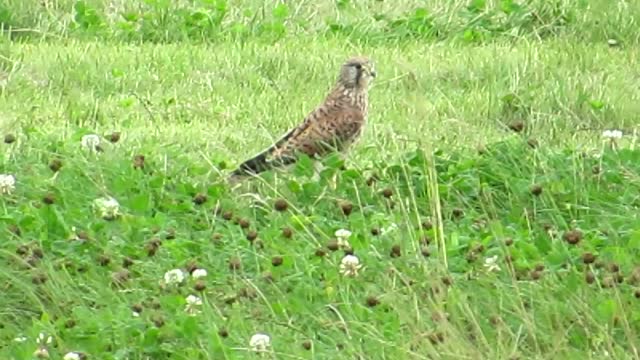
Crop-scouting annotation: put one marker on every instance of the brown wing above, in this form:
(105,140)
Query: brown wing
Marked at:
(330,127)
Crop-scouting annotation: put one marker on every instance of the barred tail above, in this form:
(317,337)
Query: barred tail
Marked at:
(259,163)
(253,166)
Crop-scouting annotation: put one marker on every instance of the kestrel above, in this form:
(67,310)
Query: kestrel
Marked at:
(333,126)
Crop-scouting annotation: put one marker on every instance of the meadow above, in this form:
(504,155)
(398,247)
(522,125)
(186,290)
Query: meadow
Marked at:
(492,203)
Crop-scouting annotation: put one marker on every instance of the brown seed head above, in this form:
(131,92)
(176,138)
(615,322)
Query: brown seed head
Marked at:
(138,162)
(395,251)
(372,301)
(49,199)
(216,238)
(307,344)
(536,275)
(22,250)
(388,192)
(333,245)
(614,268)
(227,215)
(37,252)
(277,260)
(252,235)
(425,251)
(158,321)
(152,246)
(114,137)
(589,277)
(55,165)
(346,207)
(320,252)
(536,190)
(120,277)
(235,264)
(127,262)
(199,286)
(280,205)
(588,258)
(517,126)
(287,233)
(9,139)
(572,236)
(200,199)
(244,223)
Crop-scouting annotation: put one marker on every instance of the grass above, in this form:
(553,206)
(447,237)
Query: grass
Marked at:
(481,145)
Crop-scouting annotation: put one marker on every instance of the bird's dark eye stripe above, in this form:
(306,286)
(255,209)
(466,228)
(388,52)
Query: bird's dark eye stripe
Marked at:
(358,66)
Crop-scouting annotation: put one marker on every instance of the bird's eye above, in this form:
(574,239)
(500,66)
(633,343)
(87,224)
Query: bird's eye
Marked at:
(358,66)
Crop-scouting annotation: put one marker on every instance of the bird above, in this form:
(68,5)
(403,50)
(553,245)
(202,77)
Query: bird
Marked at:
(333,126)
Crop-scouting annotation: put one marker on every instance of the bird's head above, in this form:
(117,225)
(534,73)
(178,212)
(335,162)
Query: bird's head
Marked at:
(357,72)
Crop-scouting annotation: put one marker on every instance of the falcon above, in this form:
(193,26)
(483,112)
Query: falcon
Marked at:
(333,126)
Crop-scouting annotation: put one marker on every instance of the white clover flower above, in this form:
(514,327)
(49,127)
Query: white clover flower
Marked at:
(175,276)
(350,265)
(91,142)
(44,339)
(343,233)
(108,207)
(491,263)
(7,184)
(20,339)
(135,314)
(199,273)
(342,236)
(612,134)
(194,300)
(192,305)
(72,356)
(260,342)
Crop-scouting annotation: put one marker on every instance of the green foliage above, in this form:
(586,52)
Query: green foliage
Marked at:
(216,20)
(484,199)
